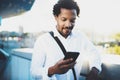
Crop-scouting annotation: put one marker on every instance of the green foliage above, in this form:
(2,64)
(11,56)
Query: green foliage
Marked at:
(114,50)
(117,37)
(112,44)
(112,47)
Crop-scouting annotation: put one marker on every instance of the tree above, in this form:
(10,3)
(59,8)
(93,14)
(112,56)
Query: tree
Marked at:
(117,37)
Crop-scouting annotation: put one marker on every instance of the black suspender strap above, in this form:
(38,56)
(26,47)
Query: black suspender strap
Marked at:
(60,44)
(63,49)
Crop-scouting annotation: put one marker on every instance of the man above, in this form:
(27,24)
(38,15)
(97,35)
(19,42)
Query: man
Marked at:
(47,60)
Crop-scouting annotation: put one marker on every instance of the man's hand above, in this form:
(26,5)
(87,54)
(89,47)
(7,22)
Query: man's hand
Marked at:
(93,74)
(61,67)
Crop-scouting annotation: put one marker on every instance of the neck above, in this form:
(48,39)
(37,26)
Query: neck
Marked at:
(65,36)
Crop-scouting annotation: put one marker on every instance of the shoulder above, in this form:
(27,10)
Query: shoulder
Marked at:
(43,37)
(79,34)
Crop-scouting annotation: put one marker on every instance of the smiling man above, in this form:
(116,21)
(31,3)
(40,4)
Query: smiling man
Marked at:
(48,61)
(65,21)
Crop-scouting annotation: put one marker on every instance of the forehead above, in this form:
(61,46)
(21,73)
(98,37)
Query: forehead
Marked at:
(68,12)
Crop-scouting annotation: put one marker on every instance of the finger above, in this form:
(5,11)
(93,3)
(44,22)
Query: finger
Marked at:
(71,65)
(67,61)
(68,66)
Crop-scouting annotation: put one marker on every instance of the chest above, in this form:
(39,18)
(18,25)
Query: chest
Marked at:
(54,51)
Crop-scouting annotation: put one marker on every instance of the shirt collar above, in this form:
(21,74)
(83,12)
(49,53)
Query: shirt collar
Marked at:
(56,33)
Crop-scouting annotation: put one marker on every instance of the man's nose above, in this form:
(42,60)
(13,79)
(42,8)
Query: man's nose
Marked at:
(68,24)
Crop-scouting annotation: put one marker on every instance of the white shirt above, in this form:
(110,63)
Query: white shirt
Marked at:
(47,53)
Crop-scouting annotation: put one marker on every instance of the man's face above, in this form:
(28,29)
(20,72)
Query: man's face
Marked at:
(66,21)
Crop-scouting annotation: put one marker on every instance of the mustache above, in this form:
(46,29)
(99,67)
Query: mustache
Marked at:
(69,28)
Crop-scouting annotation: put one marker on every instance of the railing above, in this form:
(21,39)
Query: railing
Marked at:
(18,67)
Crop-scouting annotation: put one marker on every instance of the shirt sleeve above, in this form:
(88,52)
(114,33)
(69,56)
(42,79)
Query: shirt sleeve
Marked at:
(38,69)
(93,55)
(95,60)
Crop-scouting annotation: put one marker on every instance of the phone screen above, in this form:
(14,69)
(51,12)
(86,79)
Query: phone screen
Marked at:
(73,55)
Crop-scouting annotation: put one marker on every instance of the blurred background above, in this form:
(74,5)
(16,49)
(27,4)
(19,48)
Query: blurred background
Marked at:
(22,21)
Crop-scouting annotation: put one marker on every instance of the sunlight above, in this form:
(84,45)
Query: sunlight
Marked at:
(110,58)
(10,24)
(99,16)
(39,17)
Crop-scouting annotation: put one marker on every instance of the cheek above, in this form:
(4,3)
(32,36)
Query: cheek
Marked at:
(61,25)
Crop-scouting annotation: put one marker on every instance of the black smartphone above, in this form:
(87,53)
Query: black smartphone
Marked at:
(73,55)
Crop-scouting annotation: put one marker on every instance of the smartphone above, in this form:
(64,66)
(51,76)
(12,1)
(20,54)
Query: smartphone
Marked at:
(73,55)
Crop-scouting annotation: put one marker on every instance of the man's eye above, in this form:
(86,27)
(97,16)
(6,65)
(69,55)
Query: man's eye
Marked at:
(63,19)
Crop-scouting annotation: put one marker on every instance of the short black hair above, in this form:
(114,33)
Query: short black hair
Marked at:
(67,4)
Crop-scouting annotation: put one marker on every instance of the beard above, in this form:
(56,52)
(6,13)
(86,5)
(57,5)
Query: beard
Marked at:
(71,27)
